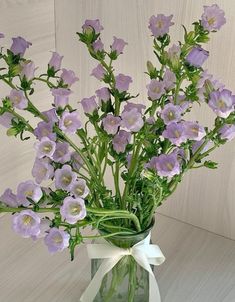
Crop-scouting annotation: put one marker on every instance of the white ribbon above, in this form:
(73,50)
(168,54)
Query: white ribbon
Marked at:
(144,254)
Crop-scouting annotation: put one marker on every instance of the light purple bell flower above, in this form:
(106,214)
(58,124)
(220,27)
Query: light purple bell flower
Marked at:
(65,178)
(68,77)
(28,189)
(169,79)
(45,147)
(9,198)
(150,120)
(122,82)
(94,24)
(26,223)
(28,70)
(89,105)
(121,140)
(56,240)
(222,102)
(197,56)
(111,123)
(51,115)
(194,131)
(132,120)
(61,96)
(18,99)
(44,229)
(55,61)
(103,95)
(73,209)
(5,119)
(70,122)
(175,132)
(118,45)
(98,45)
(19,46)
(45,129)
(156,89)
(129,106)
(227,132)
(171,113)
(160,24)
(173,55)
(77,161)
(198,144)
(42,170)
(62,153)
(98,72)
(213,18)
(80,189)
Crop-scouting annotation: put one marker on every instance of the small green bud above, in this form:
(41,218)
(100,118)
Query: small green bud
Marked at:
(150,66)
(190,37)
(11,132)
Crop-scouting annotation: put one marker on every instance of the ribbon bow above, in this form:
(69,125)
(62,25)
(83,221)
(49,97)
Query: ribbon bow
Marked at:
(144,254)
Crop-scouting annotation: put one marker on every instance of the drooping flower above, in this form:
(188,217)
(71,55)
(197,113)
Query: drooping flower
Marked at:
(26,223)
(42,170)
(194,131)
(169,79)
(197,56)
(55,61)
(62,153)
(27,71)
(19,46)
(28,189)
(227,132)
(98,72)
(51,115)
(103,95)
(9,198)
(94,24)
(18,99)
(80,189)
(213,18)
(61,97)
(77,161)
(222,102)
(198,144)
(175,132)
(65,178)
(89,105)
(98,45)
(45,129)
(166,165)
(5,119)
(156,89)
(160,24)
(73,210)
(70,122)
(45,147)
(68,77)
(121,140)
(206,84)
(56,240)
(171,113)
(132,120)
(111,123)
(129,106)
(122,82)
(118,45)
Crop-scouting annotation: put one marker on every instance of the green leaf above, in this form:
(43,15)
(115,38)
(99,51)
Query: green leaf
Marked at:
(211,164)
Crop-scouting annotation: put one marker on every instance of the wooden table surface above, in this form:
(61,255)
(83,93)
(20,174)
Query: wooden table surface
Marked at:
(199,267)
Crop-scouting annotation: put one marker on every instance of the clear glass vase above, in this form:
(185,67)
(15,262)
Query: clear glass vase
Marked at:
(127,281)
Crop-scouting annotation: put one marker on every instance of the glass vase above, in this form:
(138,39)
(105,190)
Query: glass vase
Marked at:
(127,281)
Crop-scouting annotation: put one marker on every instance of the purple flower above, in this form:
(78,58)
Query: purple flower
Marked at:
(77,161)
(160,24)
(181,101)
(213,17)
(62,153)
(122,82)
(27,71)
(98,72)
(175,133)
(56,240)
(9,199)
(118,45)
(28,189)
(194,131)
(61,96)
(42,170)
(73,210)
(89,105)
(166,165)
(129,106)
(198,144)
(222,102)
(68,77)
(121,140)
(150,120)
(197,56)
(44,229)
(51,115)
(169,79)
(18,99)
(227,132)
(5,119)
(19,46)
(94,24)
(98,45)
(171,113)
(26,223)
(156,89)
(55,61)
(206,84)
(132,120)
(80,189)
(103,95)
(45,129)
(173,54)
(2,35)
(45,147)
(111,123)
(70,122)
(65,178)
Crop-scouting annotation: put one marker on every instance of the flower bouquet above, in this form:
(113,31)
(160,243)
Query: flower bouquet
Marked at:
(147,150)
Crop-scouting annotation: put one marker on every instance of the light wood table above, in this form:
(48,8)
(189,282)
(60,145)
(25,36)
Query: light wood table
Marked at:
(199,267)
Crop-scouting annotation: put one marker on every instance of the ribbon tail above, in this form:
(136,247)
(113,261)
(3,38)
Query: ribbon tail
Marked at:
(94,286)
(154,293)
